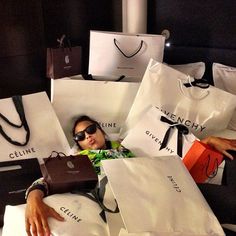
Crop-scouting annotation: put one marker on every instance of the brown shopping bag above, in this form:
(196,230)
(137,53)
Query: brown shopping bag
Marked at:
(63,60)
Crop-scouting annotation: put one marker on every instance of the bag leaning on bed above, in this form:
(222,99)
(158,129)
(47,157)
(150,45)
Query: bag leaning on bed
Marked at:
(183,100)
(29,128)
(108,102)
(156,135)
(122,53)
(157,196)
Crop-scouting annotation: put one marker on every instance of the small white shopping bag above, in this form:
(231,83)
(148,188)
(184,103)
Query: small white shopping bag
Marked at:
(156,135)
(174,93)
(123,54)
(108,102)
(81,215)
(157,196)
(40,134)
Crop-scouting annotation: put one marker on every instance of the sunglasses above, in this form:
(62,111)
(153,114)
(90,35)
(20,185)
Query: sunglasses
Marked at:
(80,136)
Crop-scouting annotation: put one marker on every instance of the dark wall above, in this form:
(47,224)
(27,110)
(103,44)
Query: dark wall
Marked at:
(28,27)
(199,30)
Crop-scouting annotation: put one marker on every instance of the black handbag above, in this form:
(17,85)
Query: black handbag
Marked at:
(15,178)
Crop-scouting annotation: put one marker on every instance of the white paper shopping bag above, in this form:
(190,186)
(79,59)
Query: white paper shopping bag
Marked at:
(173,92)
(156,135)
(108,102)
(81,215)
(40,134)
(116,53)
(157,195)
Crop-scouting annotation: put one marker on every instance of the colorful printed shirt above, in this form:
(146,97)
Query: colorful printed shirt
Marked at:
(114,150)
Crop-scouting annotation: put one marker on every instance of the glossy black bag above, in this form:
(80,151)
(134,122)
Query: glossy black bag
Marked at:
(16,177)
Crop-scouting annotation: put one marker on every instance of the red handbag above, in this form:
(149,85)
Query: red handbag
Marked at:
(202,161)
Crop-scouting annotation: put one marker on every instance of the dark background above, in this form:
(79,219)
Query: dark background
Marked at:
(199,31)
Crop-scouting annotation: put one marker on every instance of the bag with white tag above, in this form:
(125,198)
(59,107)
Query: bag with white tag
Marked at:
(122,53)
(29,128)
(156,135)
(157,196)
(183,99)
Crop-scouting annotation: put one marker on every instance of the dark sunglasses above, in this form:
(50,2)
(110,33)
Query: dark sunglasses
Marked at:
(80,136)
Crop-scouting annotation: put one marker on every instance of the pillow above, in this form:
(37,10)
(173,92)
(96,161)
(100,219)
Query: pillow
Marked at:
(196,69)
(224,77)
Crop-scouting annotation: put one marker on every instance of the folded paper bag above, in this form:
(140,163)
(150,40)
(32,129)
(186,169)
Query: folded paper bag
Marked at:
(202,161)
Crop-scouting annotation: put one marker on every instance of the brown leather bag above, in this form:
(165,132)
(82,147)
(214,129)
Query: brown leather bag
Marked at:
(69,173)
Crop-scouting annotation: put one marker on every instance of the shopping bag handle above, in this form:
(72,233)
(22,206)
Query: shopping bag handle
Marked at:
(214,173)
(132,55)
(97,195)
(182,130)
(191,84)
(62,41)
(90,77)
(201,83)
(17,100)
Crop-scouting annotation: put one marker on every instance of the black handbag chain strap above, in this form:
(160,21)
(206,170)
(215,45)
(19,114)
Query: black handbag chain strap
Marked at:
(132,55)
(17,100)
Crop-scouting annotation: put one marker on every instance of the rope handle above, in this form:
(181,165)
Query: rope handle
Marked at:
(18,103)
(214,173)
(132,55)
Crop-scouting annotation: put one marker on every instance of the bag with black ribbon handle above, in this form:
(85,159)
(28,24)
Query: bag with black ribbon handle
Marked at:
(155,134)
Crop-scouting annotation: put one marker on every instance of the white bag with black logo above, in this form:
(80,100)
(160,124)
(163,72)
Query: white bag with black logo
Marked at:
(123,54)
(81,215)
(156,135)
(203,109)
(157,196)
(29,128)
(108,102)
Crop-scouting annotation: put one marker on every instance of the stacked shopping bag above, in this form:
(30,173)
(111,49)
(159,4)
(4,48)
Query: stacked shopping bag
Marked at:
(158,110)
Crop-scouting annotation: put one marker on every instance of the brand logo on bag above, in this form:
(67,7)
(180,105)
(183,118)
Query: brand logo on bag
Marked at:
(22,153)
(70,164)
(183,121)
(158,141)
(174,184)
(67,59)
(70,214)
(107,125)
